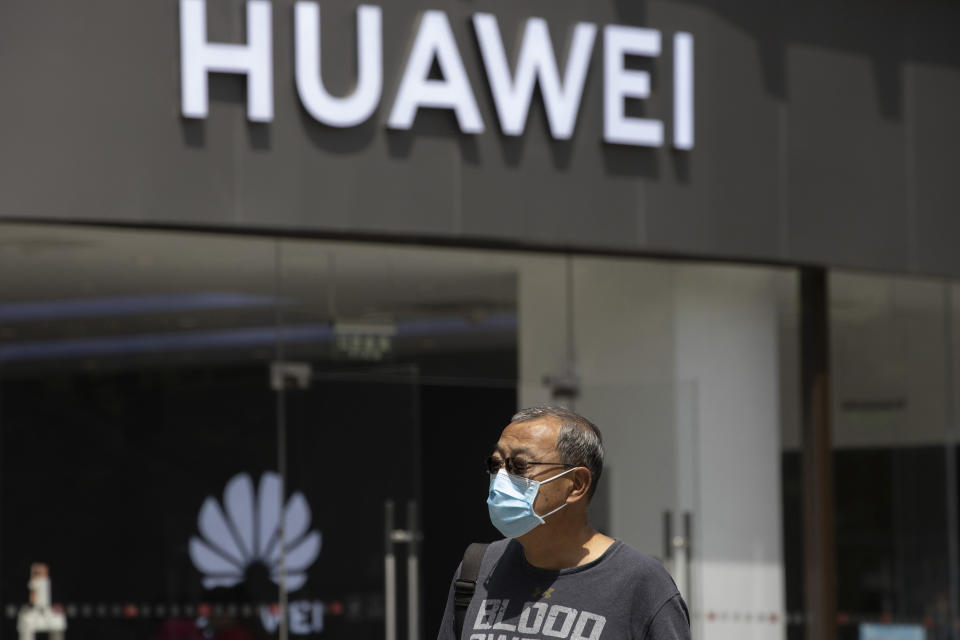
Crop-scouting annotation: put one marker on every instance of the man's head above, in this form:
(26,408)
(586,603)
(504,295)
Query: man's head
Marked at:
(552,458)
(578,441)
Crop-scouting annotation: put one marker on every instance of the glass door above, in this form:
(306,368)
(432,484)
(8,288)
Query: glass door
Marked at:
(894,473)
(352,453)
(648,492)
(349,421)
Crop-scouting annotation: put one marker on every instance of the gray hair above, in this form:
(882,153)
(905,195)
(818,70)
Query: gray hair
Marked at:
(578,443)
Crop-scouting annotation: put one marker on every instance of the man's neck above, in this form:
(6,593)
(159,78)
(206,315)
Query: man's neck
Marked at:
(564,546)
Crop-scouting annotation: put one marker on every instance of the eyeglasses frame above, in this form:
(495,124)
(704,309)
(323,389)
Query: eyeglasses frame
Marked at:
(507,463)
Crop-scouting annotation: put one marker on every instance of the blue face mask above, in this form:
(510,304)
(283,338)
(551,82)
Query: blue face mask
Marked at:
(511,503)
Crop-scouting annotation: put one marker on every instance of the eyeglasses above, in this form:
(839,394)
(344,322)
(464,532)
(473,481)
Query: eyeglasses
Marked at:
(517,466)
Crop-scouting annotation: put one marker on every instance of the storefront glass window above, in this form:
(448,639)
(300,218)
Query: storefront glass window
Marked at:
(139,444)
(891,361)
(224,436)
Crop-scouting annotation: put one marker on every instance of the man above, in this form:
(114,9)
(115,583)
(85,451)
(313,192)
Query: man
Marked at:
(555,576)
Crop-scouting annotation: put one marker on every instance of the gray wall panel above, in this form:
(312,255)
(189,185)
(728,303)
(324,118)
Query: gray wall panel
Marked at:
(935,114)
(724,196)
(93,131)
(847,192)
(937,141)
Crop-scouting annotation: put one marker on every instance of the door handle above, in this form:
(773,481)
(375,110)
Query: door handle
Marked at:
(389,575)
(410,537)
(678,552)
(413,574)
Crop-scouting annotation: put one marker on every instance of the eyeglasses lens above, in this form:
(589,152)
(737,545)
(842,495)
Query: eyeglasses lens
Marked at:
(518,466)
(514,466)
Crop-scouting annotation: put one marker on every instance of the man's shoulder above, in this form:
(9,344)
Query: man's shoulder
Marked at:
(620,559)
(620,556)
(497,550)
(646,570)
(499,547)
(636,559)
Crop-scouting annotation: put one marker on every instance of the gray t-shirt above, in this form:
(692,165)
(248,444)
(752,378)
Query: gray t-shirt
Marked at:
(621,595)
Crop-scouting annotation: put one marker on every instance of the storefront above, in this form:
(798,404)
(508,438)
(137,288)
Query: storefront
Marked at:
(273,275)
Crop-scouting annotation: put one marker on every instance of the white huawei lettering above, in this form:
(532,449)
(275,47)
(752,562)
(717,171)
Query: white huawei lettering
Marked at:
(561,84)
(306,617)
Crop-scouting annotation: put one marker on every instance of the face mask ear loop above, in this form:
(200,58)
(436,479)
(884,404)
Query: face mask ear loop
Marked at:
(545,482)
(558,475)
(552,512)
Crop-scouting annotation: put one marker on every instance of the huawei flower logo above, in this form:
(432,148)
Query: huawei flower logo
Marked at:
(246,531)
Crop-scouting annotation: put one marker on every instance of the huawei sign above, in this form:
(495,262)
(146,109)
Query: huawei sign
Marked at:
(561,83)
(245,529)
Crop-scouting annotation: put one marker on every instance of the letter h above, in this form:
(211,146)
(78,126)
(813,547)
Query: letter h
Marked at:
(199,57)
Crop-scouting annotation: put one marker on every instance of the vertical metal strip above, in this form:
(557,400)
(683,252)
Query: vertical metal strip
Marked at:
(696,581)
(688,557)
(390,592)
(953,525)
(570,370)
(281,398)
(817,457)
(2,505)
(389,576)
(413,574)
(668,536)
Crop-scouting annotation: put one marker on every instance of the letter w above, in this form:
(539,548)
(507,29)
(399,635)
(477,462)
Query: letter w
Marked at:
(536,61)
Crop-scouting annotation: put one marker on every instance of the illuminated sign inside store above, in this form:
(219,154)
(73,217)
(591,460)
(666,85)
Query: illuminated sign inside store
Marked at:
(256,527)
(246,529)
(434,42)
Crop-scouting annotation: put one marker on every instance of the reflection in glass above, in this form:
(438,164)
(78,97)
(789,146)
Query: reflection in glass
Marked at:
(132,377)
(890,362)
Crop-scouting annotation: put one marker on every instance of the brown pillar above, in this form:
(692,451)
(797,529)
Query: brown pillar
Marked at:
(818,529)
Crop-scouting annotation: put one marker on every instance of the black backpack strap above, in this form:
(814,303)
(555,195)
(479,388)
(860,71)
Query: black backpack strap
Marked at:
(465,585)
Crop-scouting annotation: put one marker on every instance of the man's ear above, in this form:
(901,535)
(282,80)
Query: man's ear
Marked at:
(581,484)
